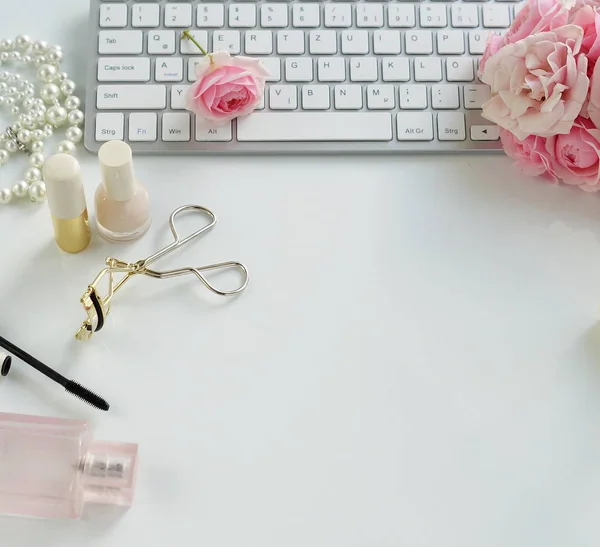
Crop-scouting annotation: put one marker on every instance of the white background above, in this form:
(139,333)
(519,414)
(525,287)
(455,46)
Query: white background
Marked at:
(416,362)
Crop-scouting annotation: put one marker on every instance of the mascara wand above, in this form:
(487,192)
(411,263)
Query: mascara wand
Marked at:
(72,387)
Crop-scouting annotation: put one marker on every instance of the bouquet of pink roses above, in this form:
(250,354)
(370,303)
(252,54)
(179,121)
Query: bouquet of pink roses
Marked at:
(544,77)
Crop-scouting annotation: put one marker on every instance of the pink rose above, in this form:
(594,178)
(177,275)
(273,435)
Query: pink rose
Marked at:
(539,84)
(589,20)
(576,156)
(226,87)
(530,155)
(538,16)
(493,44)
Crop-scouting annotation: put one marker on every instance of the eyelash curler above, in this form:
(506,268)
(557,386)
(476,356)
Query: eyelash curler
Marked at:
(98,308)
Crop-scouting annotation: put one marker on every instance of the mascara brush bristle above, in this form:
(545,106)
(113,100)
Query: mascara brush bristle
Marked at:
(86,395)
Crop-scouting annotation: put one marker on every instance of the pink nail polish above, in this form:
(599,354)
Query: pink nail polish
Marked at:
(50,468)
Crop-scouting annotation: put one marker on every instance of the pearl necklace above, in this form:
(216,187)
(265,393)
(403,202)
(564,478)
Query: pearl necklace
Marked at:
(36,117)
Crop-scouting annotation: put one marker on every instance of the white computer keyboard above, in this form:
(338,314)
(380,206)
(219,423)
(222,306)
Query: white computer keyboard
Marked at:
(353,77)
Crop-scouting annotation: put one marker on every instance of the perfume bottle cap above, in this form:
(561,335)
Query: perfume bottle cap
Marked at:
(64,186)
(109,473)
(116,167)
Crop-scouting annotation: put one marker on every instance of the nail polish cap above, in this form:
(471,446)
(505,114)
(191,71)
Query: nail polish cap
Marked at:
(116,167)
(110,473)
(64,187)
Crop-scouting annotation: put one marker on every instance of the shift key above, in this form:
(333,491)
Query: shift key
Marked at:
(131,97)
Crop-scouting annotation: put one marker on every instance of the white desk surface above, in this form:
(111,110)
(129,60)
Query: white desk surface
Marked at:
(416,362)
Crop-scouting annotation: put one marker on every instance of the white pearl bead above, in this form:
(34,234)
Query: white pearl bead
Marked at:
(36,146)
(49,93)
(56,115)
(74,134)
(26,121)
(16,127)
(22,41)
(37,191)
(5,196)
(24,136)
(13,78)
(10,146)
(39,47)
(37,160)
(3,76)
(71,103)
(39,61)
(14,56)
(27,103)
(29,92)
(48,130)
(76,117)
(32,174)
(47,73)
(19,190)
(6,44)
(27,59)
(4,56)
(9,101)
(15,110)
(68,87)
(55,56)
(4,156)
(62,76)
(37,135)
(66,147)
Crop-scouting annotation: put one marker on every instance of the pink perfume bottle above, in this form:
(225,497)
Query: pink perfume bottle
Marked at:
(50,468)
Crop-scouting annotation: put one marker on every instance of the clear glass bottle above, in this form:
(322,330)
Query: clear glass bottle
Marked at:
(49,468)
(121,201)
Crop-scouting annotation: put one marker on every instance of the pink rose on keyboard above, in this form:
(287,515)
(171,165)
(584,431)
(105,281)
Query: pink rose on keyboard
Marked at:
(539,84)
(530,155)
(226,87)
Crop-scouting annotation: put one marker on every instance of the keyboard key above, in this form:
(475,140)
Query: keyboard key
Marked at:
(401,16)
(290,42)
(145,16)
(283,97)
(464,16)
(331,69)
(123,69)
(315,126)
(178,97)
(475,96)
(178,15)
(188,47)
(112,42)
(460,69)
(386,42)
(485,133)
(395,70)
(381,97)
(112,16)
(495,16)
(299,69)
(428,69)
(450,42)
(274,15)
(161,42)
(169,69)
(414,126)
(228,40)
(369,15)
(418,42)
(413,97)
(315,97)
(451,126)
(176,127)
(477,41)
(258,42)
(306,15)
(433,15)
(242,15)
(208,132)
(142,127)
(131,97)
(338,15)
(210,15)
(273,65)
(444,97)
(109,127)
(348,97)
(355,42)
(323,42)
(363,69)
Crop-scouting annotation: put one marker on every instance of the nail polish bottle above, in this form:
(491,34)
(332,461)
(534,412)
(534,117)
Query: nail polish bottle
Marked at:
(50,468)
(66,199)
(122,204)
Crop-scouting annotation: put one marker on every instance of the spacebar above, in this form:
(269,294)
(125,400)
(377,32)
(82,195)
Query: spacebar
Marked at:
(315,126)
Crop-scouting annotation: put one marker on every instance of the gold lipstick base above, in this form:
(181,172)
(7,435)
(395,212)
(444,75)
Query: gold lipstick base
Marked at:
(73,235)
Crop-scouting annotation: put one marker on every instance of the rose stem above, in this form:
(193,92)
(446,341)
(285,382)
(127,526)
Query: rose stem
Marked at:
(189,36)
